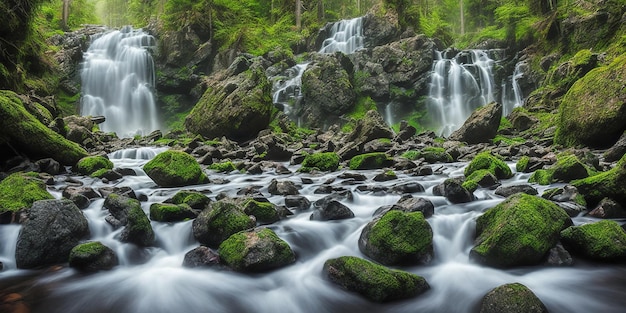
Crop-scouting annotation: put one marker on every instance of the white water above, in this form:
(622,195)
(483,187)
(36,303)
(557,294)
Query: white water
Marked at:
(287,90)
(152,280)
(511,91)
(118,82)
(458,86)
(346,36)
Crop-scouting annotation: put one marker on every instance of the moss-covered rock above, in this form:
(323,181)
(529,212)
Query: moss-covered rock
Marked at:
(611,184)
(436,155)
(264,212)
(21,129)
(600,241)
(92,164)
(374,282)
(522,164)
(398,238)
(175,169)
(324,161)
(196,200)
(487,161)
(166,212)
(19,191)
(567,168)
(370,161)
(541,177)
(128,213)
(92,257)
(256,250)
(482,178)
(593,110)
(237,107)
(512,298)
(220,221)
(223,167)
(519,231)
(481,126)
(454,191)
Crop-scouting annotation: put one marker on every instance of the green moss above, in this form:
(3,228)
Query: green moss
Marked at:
(241,252)
(359,110)
(223,220)
(567,168)
(486,160)
(611,184)
(582,58)
(472,182)
(374,160)
(265,212)
(373,281)
(541,177)
(193,199)
(166,212)
(223,167)
(89,165)
(436,155)
(20,190)
(509,141)
(518,231)
(325,161)
(400,237)
(603,240)
(175,168)
(522,164)
(88,249)
(138,230)
(411,155)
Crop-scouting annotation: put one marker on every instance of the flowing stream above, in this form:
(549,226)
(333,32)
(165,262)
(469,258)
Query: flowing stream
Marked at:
(153,280)
(118,82)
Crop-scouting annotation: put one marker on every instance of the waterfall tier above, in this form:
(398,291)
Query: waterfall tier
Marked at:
(345,36)
(118,81)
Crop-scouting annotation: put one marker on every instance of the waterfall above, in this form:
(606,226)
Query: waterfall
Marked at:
(287,91)
(458,86)
(118,80)
(514,99)
(345,36)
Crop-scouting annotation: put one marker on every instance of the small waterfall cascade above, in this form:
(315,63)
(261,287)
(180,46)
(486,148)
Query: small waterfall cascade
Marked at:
(118,80)
(458,86)
(287,88)
(345,36)
(511,92)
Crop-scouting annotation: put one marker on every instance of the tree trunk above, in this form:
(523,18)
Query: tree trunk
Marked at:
(65,14)
(298,14)
(462,18)
(320,10)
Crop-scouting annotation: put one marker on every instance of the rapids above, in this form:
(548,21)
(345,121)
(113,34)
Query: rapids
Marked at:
(152,280)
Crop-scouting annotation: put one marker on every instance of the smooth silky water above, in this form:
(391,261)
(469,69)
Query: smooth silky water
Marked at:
(153,279)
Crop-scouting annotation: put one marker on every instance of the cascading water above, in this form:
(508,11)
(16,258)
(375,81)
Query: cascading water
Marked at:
(345,36)
(511,91)
(118,81)
(458,86)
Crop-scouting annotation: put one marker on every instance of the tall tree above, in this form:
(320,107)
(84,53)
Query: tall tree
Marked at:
(65,14)
(299,14)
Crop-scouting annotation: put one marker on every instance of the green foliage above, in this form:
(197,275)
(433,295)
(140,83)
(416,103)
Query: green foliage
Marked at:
(363,105)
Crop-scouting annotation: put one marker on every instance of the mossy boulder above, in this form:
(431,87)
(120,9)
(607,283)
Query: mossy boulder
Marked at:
(512,298)
(237,107)
(324,161)
(518,231)
(482,178)
(370,161)
(196,200)
(18,192)
(398,238)
(600,241)
(436,155)
(454,190)
(487,161)
(92,257)
(51,230)
(21,129)
(264,212)
(93,165)
(567,168)
(223,167)
(128,212)
(175,169)
(609,184)
(218,222)
(593,110)
(256,250)
(373,281)
(166,212)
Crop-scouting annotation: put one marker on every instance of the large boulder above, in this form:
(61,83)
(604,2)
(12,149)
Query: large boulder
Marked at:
(518,231)
(127,212)
(593,110)
(481,126)
(218,222)
(52,228)
(398,238)
(327,89)
(600,241)
(18,192)
(609,184)
(21,129)
(201,256)
(92,257)
(454,191)
(374,282)
(173,168)
(256,250)
(380,29)
(331,210)
(512,298)
(370,161)
(237,107)
(93,165)
(169,212)
(371,126)
(488,161)
(323,161)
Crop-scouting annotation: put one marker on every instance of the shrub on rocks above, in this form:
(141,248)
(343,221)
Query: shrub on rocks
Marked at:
(398,238)
(256,250)
(92,257)
(372,281)
(600,241)
(220,221)
(19,191)
(519,231)
(175,169)
(512,298)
